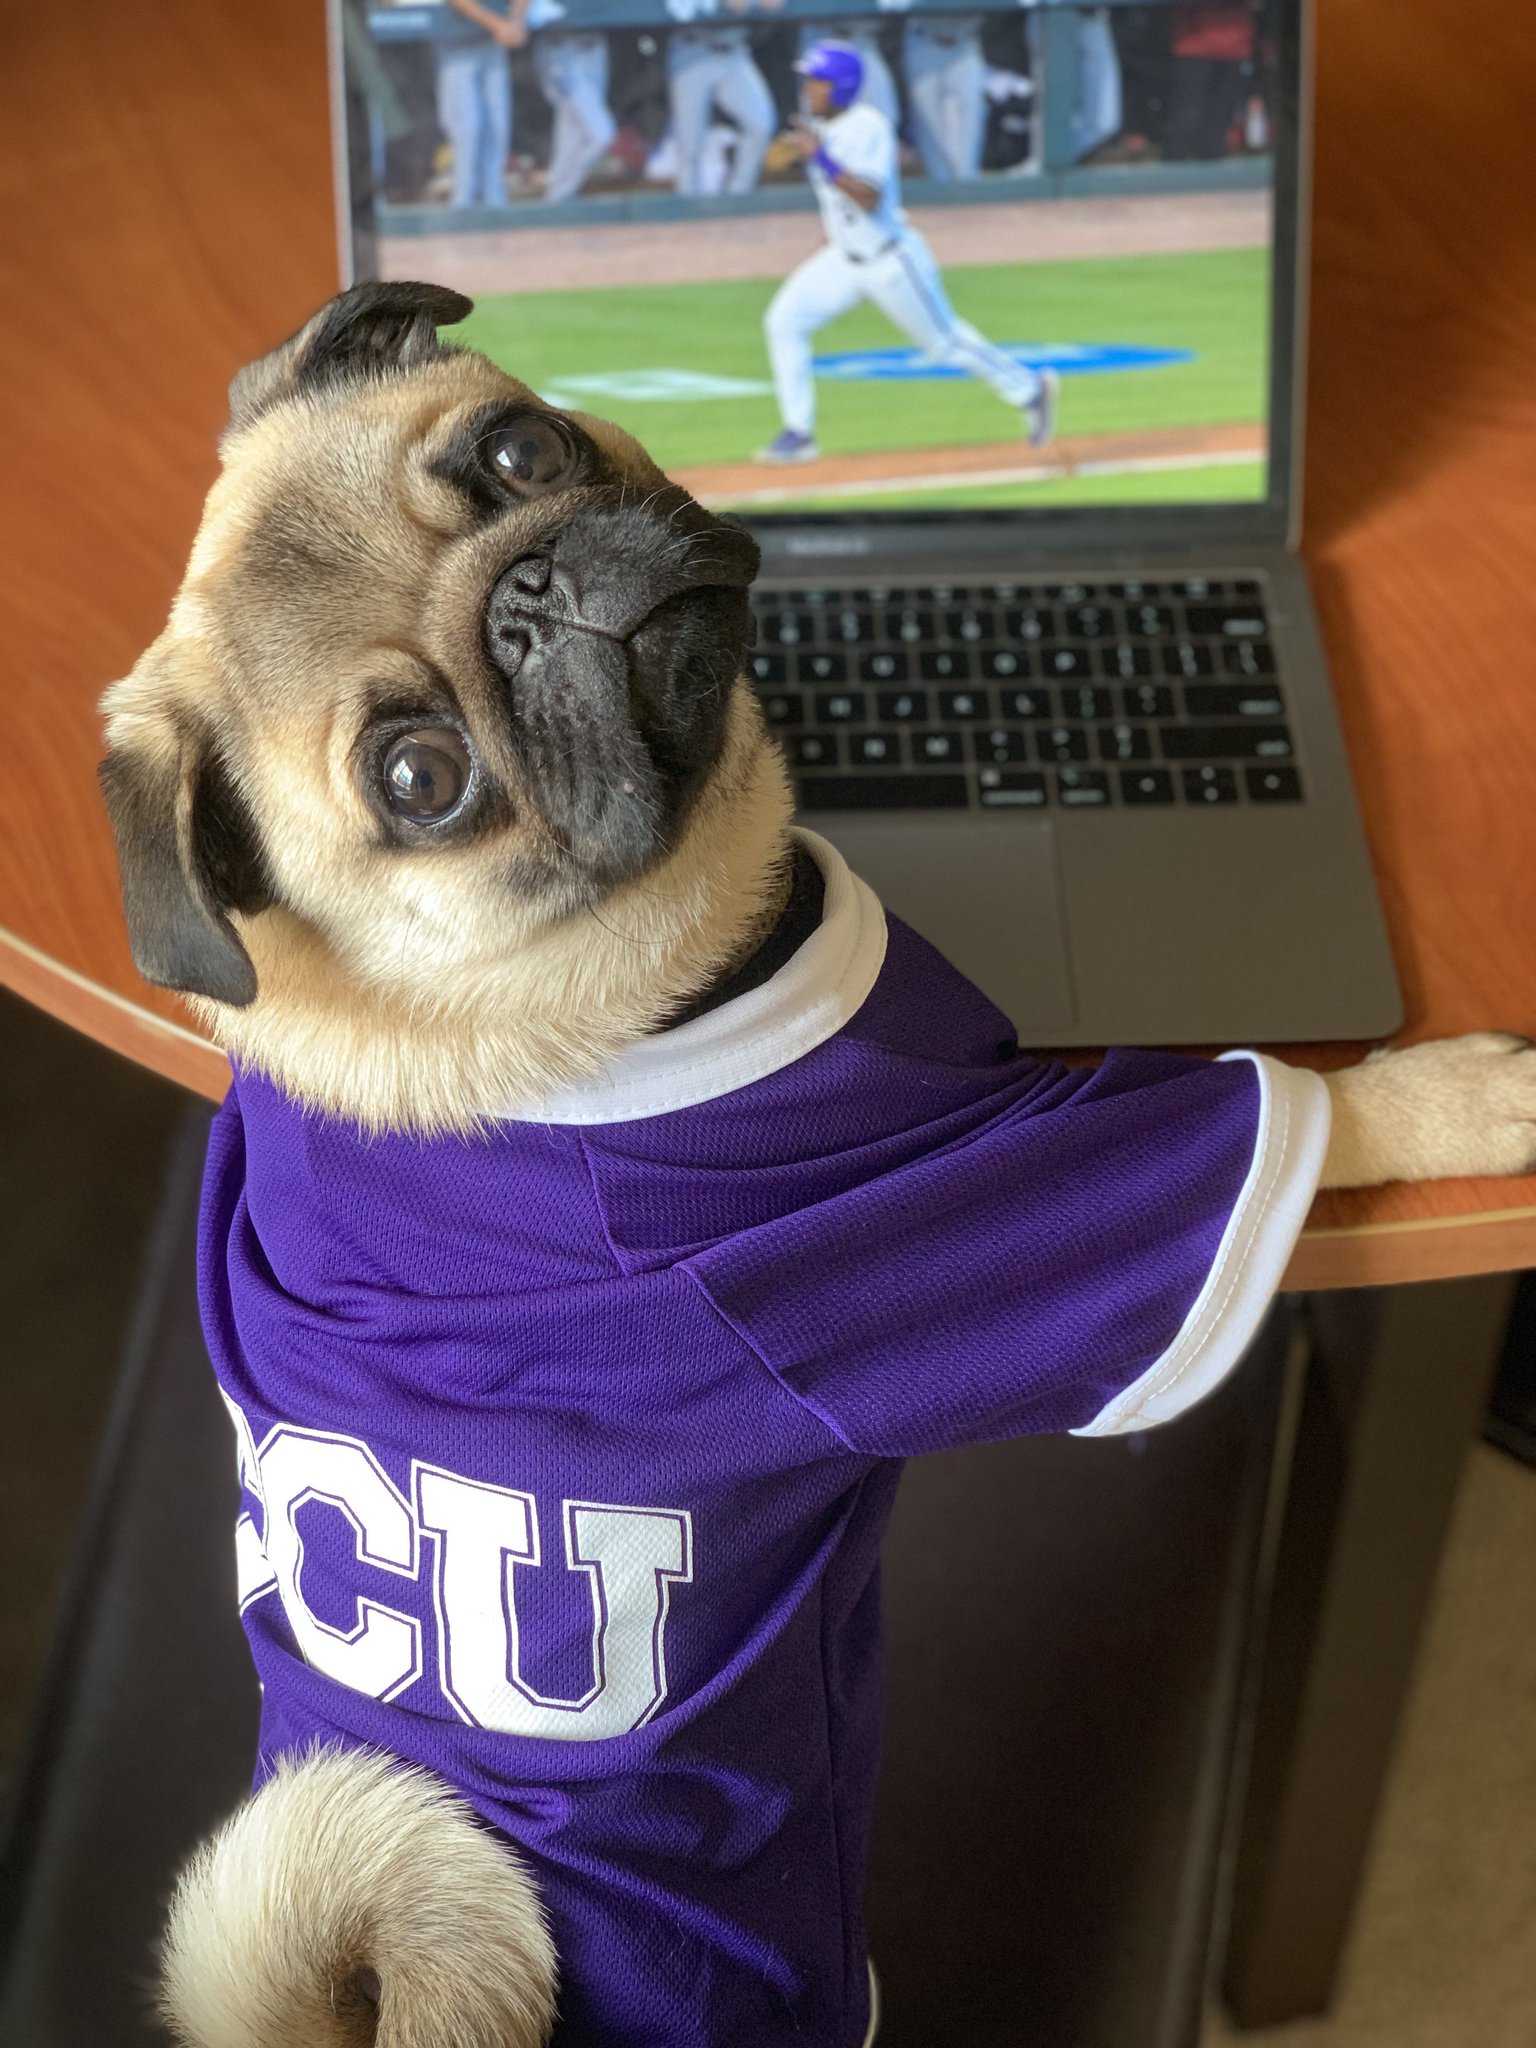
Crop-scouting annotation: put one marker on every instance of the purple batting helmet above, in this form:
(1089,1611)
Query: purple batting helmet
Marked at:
(840,65)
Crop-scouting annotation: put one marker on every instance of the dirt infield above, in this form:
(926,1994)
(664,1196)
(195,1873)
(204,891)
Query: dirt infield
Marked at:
(771,244)
(992,462)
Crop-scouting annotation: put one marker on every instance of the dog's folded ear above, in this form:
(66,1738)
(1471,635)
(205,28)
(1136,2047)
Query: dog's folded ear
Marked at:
(371,328)
(188,853)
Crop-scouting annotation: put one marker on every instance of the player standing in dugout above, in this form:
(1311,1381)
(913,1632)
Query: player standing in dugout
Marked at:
(873,252)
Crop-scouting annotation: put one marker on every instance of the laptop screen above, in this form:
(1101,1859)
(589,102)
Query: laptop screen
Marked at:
(925,260)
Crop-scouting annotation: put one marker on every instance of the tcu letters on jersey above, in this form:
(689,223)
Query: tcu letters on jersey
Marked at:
(567,1448)
(483,1540)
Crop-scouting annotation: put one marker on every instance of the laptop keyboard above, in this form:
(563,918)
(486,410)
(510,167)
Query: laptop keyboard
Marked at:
(1025,696)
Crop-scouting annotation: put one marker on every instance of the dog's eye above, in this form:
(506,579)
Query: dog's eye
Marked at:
(426,775)
(531,454)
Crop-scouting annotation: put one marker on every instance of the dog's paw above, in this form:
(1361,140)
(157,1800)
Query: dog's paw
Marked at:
(1453,1107)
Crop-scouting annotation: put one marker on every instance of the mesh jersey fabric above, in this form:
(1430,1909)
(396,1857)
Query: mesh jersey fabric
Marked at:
(566,1449)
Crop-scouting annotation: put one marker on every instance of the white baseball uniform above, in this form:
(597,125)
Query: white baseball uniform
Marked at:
(877,256)
(946,89)
(572,71)
(713,67)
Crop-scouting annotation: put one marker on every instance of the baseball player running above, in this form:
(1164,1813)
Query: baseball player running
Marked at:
(873,252)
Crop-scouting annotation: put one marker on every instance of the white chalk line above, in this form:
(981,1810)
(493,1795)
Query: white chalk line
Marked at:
(942,480)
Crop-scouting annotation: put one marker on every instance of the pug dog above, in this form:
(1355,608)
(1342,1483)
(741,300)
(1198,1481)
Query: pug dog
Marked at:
(610,1196)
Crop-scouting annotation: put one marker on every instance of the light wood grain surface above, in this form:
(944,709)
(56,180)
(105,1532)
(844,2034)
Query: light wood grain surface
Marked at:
(165,215)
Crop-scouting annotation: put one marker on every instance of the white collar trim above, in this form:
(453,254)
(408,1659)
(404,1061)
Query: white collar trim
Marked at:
(822,984)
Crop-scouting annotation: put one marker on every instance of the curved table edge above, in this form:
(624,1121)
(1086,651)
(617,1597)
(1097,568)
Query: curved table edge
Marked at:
(1360,1255)
(114,1021)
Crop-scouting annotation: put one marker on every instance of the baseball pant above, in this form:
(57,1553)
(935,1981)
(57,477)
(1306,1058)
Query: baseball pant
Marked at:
(904,282)
(703,74)
(573,76)
(474,105)
(1100,108)
(946,90)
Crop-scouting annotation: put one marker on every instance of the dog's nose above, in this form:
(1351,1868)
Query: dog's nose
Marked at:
(612,566)
(531,574)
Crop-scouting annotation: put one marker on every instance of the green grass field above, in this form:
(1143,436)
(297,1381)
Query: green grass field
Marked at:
(1212,302)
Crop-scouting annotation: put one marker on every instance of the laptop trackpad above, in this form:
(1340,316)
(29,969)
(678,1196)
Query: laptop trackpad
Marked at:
(985,892)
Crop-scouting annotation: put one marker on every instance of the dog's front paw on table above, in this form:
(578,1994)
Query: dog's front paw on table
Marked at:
(1452,1108)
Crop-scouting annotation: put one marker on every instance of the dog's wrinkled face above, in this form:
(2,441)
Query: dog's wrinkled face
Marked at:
(447,666)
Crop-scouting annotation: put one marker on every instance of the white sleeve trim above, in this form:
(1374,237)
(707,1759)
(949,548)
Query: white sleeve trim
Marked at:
(1289,1148)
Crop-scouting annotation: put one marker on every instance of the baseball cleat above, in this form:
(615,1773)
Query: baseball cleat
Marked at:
(1040,411)
(790,447)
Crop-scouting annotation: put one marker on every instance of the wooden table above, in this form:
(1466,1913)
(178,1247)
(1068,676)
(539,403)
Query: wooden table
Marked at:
(167,216)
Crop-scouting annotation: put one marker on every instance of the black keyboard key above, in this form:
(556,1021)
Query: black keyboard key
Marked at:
(945,664)
(941,593)
(1134,592)
(965,703)
(1225,742)
(1027,704)
(768,668)
(1229,621)
(1030,622)
(1197,588)
(1088,621)
(1001,743)
(1070,593)
(889,665)
(1249,658)
(934,747)
(1080,789)
(821,667)
(909,626)
(1147,700)
(970,625)
(902,707)
(1248,589)
(1064,664)
(999,663)
(1124,743)
(1124,659)
(1062,743)
(787,629)
(1146,786)
(883,792)
(1185,658)
(1273,785)
(1233,700)
(784,707)
(1089,701)
(840,707)
(1017,789)
(848,625)
(815,750)
(1210,786)
(875,749)
(1150,621)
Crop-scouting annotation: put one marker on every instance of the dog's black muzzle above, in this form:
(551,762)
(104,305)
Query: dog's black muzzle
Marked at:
(617,637)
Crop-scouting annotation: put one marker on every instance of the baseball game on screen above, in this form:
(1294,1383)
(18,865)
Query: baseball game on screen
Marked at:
(887,259)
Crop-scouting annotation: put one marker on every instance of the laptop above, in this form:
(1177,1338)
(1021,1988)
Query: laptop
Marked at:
(998,351)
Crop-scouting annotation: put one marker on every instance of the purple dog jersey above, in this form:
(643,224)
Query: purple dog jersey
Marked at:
(566,1449)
